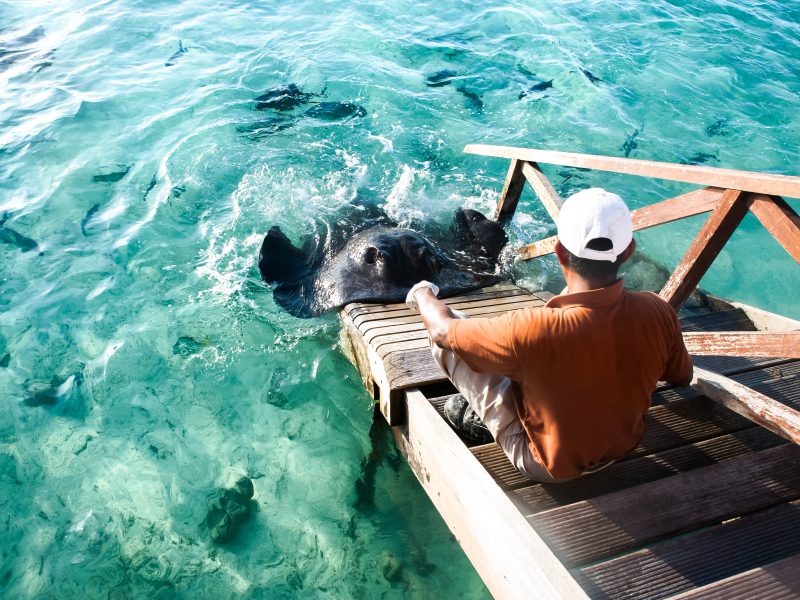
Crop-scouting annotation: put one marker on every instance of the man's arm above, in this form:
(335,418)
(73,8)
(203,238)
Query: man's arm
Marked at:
(436,316)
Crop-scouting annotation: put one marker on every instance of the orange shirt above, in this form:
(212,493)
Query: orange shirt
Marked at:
(585,365)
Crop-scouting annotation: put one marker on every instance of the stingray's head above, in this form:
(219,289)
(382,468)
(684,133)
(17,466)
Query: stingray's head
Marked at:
(400,257)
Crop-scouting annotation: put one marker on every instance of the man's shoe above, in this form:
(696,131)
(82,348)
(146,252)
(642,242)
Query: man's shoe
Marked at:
(465,420)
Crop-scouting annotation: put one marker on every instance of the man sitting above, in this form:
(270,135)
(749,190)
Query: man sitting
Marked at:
(564,388)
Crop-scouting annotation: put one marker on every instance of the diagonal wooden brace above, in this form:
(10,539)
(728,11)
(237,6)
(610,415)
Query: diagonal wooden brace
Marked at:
(509,197)
(749,403)
(716,231)
(780,220)
(541,185)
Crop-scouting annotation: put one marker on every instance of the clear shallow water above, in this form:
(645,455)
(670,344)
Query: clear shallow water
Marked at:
(161,367)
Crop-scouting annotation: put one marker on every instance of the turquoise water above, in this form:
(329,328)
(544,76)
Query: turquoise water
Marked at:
(145,368)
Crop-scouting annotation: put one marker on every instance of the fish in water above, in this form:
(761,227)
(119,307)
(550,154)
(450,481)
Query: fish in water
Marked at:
(718,127)
(473,100)
(440,78)
(57,390)
(15,238)
(536,88)
(630,144)
(336,111)
(266,127)
(111,177)
(150,186)
(15,49)
(700,158)
(283,98)
(189,346)
(176,56)
(380,264)
(5,360)
(591,76)
(87,218)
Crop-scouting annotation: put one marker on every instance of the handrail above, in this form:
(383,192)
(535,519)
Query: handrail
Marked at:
(748,181)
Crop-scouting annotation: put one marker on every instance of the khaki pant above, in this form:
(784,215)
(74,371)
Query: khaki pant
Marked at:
(491,396)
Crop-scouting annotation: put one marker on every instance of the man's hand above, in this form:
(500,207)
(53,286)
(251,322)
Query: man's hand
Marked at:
(436,315)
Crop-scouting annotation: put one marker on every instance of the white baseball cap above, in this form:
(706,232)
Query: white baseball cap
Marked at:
(595,213)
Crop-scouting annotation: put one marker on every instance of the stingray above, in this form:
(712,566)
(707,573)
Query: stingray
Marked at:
(380,264)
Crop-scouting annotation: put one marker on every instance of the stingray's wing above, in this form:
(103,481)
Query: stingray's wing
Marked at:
(280,261)
(476,233)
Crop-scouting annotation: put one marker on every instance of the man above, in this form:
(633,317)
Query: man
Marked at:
(564,388)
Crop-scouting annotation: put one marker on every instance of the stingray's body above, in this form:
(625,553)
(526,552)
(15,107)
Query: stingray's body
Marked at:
(380,264)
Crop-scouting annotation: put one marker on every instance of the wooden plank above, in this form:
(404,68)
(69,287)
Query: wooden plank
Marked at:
(512,190)
(779,219)
(685,562)
(607,525)
(737,343)
(507,553)
(534,497)
(763,183)
(679,207)
(544,190)
(749,403)
(713,235)
(779,580)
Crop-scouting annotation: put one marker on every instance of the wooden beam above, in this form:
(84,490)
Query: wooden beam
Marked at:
(749,403)
(744,343)
(509,197)
(541,185)
(716,231)
(679,207)
(763,183)
(507,553)
(780,220)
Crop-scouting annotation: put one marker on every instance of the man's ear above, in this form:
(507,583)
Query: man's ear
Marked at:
(629,251)
(561,253)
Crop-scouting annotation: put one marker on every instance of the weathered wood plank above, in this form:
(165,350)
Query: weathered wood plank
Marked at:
(512,190)
(679,207)
(685,562)
(499,291)
(713,235)
(534,497)
(779,580)
(757,407)
(507,553)
(543,188)
(607,525)
(729,343)
(763,183)
(780,220)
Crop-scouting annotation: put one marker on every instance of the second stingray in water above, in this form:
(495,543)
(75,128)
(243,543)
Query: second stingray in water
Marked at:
(380,264)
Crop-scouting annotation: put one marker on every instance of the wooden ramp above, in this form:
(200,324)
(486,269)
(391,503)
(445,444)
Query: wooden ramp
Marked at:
(707,506)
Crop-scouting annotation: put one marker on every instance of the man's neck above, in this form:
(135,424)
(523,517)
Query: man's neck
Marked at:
(577,284)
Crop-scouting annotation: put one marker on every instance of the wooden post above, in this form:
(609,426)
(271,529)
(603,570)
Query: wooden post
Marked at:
(749,403)
(744,343)
(716,231)
(509,197)
(779,219)
(541,185)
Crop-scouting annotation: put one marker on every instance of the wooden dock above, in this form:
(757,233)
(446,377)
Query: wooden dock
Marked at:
(708,505)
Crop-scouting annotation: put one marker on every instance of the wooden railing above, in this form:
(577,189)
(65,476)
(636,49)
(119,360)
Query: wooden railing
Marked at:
(728,195)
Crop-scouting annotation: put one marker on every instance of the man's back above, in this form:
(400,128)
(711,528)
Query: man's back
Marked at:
(585,366)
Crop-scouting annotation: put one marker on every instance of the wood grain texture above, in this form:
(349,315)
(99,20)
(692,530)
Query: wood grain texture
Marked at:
(780,220)
(757,407)
(543,188)
(507,553)
(512,190)
(673,209)
(713,235)
(730,343)
(764,183)
(779,580)
(682,563)
(614,523)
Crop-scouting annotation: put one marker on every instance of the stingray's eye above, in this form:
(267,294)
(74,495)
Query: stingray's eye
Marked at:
(371,255)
